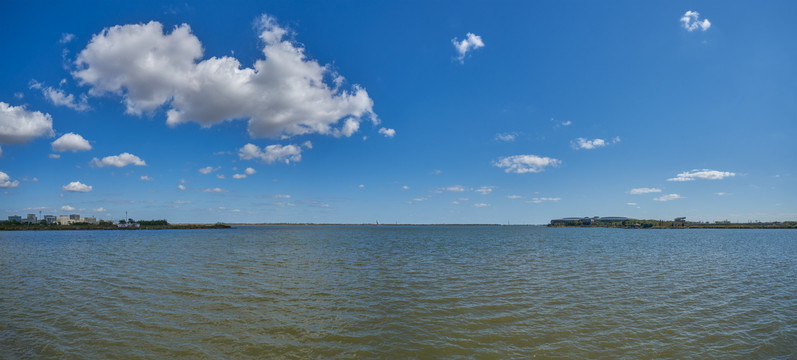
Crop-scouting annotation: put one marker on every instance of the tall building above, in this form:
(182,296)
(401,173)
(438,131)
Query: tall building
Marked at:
(64,220)
(31,219)
(75,217)
(50,219)
(16,218)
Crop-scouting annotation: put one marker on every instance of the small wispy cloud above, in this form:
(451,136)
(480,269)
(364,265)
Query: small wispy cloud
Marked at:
(214,190)
(706,174)
(484,190)
(691,22)
(506,137)
(66,38)
(387,132)
(455,188)
(668,197)
(638,191)
(521,164)
(543,199)
(208,169)
(470,43)
(583,143)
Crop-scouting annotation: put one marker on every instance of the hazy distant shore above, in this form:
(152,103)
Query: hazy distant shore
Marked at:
(25,227)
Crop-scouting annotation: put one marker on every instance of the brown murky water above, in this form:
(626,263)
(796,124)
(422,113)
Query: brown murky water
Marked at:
(399,292)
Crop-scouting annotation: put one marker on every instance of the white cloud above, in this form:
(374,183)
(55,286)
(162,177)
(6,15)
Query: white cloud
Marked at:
(70,142)
(582,143)
(481,205)
(361,186)
(507,137)
(405,187)
(60,98)
(272,153)
(470,43)
(181,187)
(521,164)
(67,208)
(182,202)
(220,176)
(18,125)
(668,197)
(721,193)
(281,196)
(146,178)
(120,160)
(514,197)
(387,132)
(638,191)
(691,21)
(566,123)
(247,172)
(66,38)
(542,199)
(208,169)
(484,190)
(54,156)
(77,186)
(100,210)
(6,183)
(456,188)
(284,93)
(217,190)
(702,174)
(631,203)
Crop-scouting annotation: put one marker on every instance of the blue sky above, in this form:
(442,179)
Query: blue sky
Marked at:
(409,112)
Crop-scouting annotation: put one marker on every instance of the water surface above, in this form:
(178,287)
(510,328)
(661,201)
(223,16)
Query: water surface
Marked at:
(399,292)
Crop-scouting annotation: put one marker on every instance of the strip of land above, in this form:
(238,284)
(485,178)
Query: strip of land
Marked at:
(663,224)
(107,226)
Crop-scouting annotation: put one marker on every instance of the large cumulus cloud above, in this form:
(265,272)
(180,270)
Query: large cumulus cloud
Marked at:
(19,125)
(282,94)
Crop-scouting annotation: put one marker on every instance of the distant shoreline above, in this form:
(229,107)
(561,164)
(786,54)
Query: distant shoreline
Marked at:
(24,227)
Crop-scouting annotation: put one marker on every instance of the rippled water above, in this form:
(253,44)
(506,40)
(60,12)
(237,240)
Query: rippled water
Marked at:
(399,292)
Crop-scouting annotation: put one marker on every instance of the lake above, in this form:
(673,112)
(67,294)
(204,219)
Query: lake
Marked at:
(491,292)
